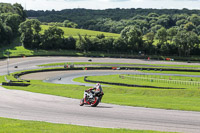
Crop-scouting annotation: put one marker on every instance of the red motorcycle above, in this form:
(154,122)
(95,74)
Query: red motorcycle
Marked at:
(91,98)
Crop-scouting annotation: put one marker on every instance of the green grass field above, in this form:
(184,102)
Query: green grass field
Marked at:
(74,32)
(151,80)
(21,126)
(172,72)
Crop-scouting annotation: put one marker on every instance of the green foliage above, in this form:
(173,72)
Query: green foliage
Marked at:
(186,41)
(75,32)
(120,44)
(52,38)
(115,20)
(171,33)
(161,35)
(94,44)
(29,30)
(133,38)
(195,19)
(13,21)
(189,26)
(69,24)
(10,18)
(155,31)
(6,34)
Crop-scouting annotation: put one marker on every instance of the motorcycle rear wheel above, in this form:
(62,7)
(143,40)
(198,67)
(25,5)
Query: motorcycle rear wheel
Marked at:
(96,102)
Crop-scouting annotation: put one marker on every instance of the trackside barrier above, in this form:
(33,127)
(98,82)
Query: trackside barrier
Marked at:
(14,84)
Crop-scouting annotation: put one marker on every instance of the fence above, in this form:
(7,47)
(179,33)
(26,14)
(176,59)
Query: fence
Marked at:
(170,81)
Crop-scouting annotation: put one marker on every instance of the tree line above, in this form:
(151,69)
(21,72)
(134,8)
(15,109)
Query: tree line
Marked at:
(154,33)
(10,18)
(115,20)
(164,31)
(171,41)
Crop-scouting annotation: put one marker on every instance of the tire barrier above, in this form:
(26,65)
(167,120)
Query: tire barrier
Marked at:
(128,85)
(17,75)
(15,84)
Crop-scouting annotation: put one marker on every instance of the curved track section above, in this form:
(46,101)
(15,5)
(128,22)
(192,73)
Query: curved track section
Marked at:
(40,107)
(31,62)
(68,77)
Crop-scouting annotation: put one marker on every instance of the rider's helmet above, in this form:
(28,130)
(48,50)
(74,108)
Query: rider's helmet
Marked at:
(98,84)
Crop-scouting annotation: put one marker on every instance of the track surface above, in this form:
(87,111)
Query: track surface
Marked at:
(33,106)
(67,77)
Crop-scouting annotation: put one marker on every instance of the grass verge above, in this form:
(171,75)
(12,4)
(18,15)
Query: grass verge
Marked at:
(151,80)
(21,126)
(172,72)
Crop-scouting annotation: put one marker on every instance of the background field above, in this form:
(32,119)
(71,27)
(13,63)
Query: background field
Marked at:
(15,49)
(151,80)
(74,32)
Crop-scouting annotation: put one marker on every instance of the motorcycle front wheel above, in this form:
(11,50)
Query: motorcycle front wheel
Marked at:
(81,102)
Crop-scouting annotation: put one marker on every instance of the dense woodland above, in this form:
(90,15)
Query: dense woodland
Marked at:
(10,18)
(152,31)
(115,20)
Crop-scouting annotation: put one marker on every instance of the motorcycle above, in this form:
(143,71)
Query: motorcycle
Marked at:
(90,98)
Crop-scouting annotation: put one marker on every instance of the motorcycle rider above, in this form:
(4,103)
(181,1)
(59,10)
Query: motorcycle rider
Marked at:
(92,93)
(96,90)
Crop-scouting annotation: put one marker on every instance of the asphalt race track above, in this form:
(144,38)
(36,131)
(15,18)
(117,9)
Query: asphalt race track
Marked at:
(40,107)
(67,77)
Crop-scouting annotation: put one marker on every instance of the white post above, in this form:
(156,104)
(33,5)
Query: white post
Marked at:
(8,64)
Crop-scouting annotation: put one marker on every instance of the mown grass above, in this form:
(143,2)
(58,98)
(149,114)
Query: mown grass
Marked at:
(172,72)
(21,126)
(181,78)
(2,79)
(74,32)
(20,51)
(153,98)
(151,80)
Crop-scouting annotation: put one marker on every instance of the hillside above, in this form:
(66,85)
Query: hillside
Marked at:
(74,32)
